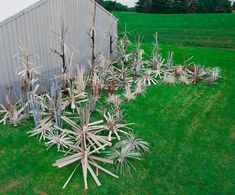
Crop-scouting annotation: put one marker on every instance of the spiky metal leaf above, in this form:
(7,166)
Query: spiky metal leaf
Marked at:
(62,141)
(42,129)
(114,99)
(127,150)
(138,144)
(147,78)
(14,111)
(213,75)
(169,79)
(114,127)
(140,88)
(128,94)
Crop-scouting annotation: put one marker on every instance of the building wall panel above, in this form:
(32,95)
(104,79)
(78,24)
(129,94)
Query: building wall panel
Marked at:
(37,27)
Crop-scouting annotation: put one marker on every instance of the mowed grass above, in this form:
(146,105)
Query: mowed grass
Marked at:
(191,129)
(195,30)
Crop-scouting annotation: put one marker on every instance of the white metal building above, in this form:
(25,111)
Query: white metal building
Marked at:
(35,23)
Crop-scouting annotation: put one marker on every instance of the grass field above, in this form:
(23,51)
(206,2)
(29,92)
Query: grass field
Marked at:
(199,30)
(191,129)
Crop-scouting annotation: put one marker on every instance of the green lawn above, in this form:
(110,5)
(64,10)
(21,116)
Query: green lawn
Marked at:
(191,129)
(196,30)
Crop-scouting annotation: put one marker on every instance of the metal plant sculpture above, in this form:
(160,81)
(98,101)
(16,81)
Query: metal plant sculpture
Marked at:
(147,78)
(169,79)
(65,52)
(92,36)
(140,88)
(123,72)
(43,126)
(74,97)
(36,105)
(157,60)
(159,71)
(127,150)
(61,140)
(27,73)
(112,38)
(97,85)
(114,127)
(138,144)
(76,86)
(87,158)
(197,72)
(81,80)
(111,87)
(156,56)
(13,111)
(124,76)
(63,46)
(213,75)
(114,99)
(53,106)
(87,143)
(138,62)
(123,47)
(183,78)
(42,129)
(128,94)
(117,112)
(170,60)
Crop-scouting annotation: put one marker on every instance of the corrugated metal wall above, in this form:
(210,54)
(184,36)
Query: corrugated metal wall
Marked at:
(36,27)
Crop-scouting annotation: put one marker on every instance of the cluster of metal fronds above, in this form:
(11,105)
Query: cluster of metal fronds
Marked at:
(66,116)
(73,130)
(138,73)
(13,112)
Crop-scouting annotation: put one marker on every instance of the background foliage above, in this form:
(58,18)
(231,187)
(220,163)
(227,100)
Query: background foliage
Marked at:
(172,6)
(184,6)
(112,5)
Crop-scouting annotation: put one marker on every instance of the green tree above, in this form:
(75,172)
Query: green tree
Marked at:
(144,6)
(193,6)
(206,6)
(161,6)
(223,6)
(214,6)
(180,6)
(100,1)
(120,7)
(114,6)
(184,6)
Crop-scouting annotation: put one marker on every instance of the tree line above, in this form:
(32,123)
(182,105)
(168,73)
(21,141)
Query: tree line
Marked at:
(172,6)
(112,5)
(184,6)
